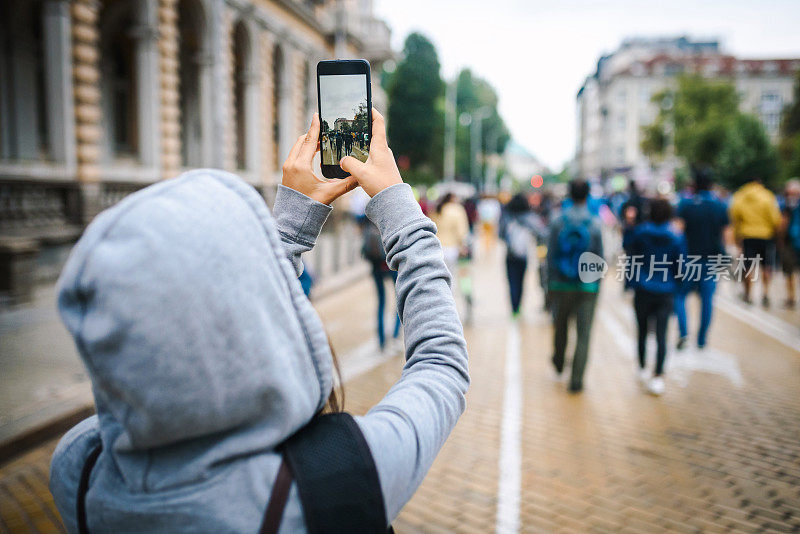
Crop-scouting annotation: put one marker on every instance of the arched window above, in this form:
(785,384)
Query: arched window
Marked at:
(23,117)
(192,25)
(277,95)
(119,79)
(241,80)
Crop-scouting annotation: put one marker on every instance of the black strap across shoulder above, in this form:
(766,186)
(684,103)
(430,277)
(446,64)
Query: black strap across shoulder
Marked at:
(83,488)
(336,477)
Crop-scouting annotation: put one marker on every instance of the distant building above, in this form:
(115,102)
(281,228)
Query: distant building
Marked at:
(614,103)
(340,123)
(99,98)
(520,164)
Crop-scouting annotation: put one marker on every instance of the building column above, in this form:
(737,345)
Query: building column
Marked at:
(86,78)
(252,105)
(290,89)
(170,84)
(266,42)
(147,88)
(214,94)
(58,80)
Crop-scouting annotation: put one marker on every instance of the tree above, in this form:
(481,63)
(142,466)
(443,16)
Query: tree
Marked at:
(789,144)
(415,114)
(701,123)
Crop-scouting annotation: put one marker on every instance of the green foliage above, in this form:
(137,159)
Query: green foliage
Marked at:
(789,144)
(701,122)
(747,154)
(415,114)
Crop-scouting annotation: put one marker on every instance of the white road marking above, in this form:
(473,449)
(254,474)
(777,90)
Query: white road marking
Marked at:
(767,324)
(510,464)
(366,357)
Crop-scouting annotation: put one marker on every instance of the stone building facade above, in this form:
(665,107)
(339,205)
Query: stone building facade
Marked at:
(99,98)
(614,103)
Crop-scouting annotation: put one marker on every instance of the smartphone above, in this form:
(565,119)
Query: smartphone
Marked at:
(344,94)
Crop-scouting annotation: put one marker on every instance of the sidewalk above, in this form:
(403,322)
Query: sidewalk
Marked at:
(719,452)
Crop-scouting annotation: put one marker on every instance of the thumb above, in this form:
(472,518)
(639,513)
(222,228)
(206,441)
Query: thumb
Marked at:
(352,165)
(346,185)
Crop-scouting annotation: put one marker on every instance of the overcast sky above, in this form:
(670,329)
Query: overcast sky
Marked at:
(537,53)
(341,95)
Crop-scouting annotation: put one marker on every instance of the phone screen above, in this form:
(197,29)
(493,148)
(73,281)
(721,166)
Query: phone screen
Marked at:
(344,117)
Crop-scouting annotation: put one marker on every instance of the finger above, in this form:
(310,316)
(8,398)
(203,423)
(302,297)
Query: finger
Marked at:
(345,185)
(309,146)
(352,165)
(294,151)
(378,129)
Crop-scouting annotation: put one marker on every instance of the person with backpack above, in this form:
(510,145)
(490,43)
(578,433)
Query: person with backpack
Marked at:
(517,229)
(573,233)
(211,371)
(372,250)
(704,219)
(657,250)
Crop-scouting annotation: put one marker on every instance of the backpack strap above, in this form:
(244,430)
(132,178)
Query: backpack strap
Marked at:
(336,476)
(277,500)
(83,488)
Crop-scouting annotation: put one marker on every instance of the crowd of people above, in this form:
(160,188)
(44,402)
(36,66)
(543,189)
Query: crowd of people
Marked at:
(671,246)
(342,142)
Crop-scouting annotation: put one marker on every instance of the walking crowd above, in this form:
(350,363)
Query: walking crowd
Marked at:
(667,247)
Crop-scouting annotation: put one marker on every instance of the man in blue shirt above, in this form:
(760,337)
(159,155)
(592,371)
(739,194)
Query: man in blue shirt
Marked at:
(704,219)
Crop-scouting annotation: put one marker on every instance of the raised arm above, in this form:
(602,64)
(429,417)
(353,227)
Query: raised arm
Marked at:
(302,203)
(406,430)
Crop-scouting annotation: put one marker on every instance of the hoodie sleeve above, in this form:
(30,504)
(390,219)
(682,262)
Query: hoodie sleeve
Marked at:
(66,466)
(299,220)
(407,428)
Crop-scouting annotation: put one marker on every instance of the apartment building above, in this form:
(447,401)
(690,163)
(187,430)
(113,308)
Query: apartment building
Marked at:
(614,103)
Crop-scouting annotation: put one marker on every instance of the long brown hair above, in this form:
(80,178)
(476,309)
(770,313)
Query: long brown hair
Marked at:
(335,402)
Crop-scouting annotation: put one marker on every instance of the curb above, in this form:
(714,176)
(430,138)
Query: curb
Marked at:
(35,436)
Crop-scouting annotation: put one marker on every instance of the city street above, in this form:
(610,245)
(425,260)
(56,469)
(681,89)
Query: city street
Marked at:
(719,452)
(329,150)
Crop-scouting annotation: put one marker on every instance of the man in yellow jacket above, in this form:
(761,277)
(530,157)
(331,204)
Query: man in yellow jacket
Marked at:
(756,218)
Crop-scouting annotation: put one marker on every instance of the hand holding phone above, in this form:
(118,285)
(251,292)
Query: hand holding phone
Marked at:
(345,109)
(298,173)
(380,170)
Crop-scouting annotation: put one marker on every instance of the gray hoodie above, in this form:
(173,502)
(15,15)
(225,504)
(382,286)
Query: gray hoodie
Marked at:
(204,355)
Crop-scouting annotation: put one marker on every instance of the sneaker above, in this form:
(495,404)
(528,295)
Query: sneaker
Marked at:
(656,386)
(681,343)
(788,304)
(765,301)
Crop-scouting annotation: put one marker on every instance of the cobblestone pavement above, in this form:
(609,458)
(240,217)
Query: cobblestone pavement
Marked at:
(719,452)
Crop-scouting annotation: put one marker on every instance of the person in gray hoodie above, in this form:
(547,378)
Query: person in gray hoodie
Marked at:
(205,355)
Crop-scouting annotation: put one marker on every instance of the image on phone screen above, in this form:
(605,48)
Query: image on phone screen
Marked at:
(344,117)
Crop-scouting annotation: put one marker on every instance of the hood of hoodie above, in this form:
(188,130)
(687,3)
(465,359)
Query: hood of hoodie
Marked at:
(191,322)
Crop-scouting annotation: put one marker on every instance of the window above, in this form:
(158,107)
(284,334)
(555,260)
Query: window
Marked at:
(23,117)
(241,75)
(119,78)
(191,21)
(277,93)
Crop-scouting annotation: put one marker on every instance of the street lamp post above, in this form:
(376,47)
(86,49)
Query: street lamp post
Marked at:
(476,142)
(450,130)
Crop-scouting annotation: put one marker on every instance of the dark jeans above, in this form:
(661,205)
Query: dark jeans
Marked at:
(656,307)
(379,275)
(567,304)
(515,269)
